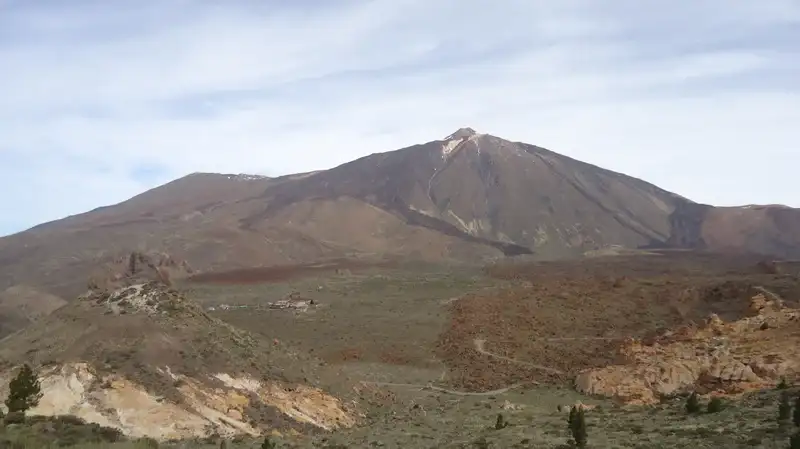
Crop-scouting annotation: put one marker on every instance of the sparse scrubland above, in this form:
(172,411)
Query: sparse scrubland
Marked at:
(432,357)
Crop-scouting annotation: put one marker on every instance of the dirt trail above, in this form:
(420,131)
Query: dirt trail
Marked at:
(479,346)
(444,390)
(773,296)
(481,343)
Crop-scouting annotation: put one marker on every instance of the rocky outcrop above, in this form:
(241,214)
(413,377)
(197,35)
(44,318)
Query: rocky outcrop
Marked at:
(218,404)
(139,267)
(152,298)
(726,358)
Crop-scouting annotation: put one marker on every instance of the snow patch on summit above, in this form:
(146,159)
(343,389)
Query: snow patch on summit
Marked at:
(462,133)
(455,141)
(449,146)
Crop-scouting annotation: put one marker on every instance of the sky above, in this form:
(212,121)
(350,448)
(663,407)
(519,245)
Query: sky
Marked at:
(102,100)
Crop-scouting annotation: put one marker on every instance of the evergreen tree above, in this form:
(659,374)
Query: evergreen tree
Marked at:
(794,441)
(268,444)
(715,405)
(784,409)
(577,426)
(573,412)
(693,404)
(796,415)
(501,422)
(24,391)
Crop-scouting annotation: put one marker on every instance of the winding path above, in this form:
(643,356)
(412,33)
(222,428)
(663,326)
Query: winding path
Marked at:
(775,297)
(479,346)
(445,390)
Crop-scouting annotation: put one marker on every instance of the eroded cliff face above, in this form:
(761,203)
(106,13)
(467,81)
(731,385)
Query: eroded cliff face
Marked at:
(716,357)
(222,403)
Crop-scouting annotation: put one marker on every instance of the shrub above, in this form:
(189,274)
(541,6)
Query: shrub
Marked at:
(501,422)
(794,441)
(693,404)
(715,405)
(784,409)
(796,415)
(15,418)
(69,420)
(783,385)
(577,426)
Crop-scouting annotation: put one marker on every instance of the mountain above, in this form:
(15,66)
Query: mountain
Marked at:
(467,197)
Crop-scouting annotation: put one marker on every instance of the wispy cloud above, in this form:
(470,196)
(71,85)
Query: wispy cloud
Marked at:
(100,100)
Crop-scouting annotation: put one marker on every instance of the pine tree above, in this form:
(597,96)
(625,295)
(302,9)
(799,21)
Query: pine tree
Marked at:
(24,391)
(796,415)
(693,404)
(573,412)
(268,444)
(715,405)
(501,422)
(577,426)
(794,441)
(784,409)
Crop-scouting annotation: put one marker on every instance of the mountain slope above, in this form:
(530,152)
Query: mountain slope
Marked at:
(516,197)
(22,305)
(468,197)
(761,229)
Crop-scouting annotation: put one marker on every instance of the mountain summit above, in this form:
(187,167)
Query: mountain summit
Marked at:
(461,133)
(471,196)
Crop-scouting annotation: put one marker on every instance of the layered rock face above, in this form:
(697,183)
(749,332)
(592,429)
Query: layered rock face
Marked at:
(216,404)
(716,357)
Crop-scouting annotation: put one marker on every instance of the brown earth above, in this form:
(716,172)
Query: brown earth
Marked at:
(469,197)
(571,316)
(281,273)
(22,305)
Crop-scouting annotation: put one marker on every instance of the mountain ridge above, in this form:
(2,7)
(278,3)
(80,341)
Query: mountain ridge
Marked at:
(468,197)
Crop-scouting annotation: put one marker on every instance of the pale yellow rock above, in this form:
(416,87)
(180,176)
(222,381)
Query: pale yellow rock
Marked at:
(735,357)
(113,401)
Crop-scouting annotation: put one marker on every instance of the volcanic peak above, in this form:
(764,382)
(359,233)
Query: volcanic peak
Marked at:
(462,133)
